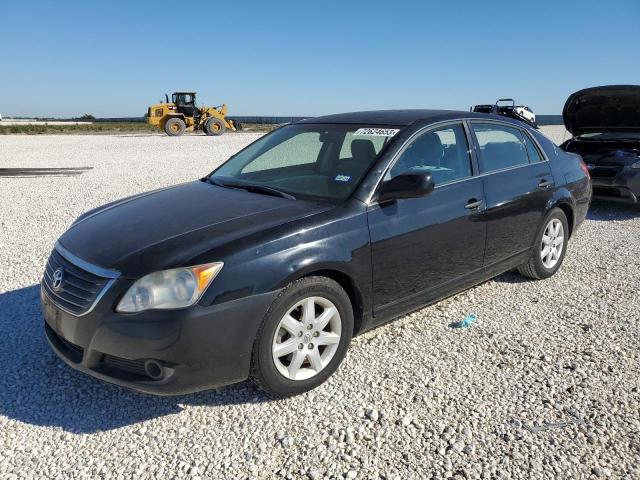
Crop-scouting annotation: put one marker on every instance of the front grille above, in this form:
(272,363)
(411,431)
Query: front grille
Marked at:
(78,289)
(605,172)
(610,192)
(135,367)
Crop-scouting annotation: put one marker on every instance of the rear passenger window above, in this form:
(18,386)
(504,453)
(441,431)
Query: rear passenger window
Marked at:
(532,150)
(443,152)
(500,147)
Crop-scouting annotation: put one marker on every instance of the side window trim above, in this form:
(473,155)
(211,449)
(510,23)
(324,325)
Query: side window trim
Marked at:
(528,138)
(473,148)
(523,137)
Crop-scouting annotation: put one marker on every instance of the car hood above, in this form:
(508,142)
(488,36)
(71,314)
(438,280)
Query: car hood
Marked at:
(166,228)
(602,109)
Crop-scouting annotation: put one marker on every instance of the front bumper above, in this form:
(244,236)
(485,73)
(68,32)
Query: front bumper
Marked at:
(198,347)
(624,187)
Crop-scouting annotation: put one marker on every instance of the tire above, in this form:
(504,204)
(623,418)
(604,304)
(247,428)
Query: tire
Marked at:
(238,125)
(304,361)
(214,126)
(540,266)
(174,127)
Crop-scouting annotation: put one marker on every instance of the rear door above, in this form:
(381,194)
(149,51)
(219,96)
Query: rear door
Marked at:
(419,244)
(517,183)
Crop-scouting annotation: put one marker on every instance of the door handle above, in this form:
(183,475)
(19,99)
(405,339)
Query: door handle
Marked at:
(544,183)
(473,204)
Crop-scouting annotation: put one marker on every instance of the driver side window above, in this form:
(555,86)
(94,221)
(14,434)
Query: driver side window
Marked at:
(443,152)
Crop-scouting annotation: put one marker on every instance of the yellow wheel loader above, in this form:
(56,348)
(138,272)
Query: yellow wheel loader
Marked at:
(182,114)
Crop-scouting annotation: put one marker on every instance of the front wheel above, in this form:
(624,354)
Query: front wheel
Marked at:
(174,127)
(303,338)
(214,126)
(550,248)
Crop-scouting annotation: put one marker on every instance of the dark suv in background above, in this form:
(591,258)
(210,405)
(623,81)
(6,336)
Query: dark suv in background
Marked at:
(605,124)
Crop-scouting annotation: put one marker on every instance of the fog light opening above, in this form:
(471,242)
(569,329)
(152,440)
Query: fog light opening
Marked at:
(154,370)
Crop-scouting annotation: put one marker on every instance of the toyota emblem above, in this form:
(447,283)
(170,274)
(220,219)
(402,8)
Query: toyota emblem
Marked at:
(56,280)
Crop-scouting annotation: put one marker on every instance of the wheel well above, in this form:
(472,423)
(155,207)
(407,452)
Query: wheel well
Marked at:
(350,287)
(169,117)
(568,211)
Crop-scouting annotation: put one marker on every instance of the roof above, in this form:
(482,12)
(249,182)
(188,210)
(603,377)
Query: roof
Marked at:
(398,117)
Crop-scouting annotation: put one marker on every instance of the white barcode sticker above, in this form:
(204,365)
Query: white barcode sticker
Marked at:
(377,132)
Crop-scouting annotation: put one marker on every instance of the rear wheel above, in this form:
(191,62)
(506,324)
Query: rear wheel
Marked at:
(174,127)
(214,126)
(551,243)
(303,338)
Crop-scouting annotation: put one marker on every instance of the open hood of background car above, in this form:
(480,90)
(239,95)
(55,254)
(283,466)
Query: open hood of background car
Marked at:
(603,109)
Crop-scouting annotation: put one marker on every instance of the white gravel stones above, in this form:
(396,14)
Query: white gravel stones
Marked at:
(413,400)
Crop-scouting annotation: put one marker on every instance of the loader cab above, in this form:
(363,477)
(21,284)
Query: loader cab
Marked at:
(185,103)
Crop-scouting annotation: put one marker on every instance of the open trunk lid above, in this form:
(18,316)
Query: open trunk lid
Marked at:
(603,109)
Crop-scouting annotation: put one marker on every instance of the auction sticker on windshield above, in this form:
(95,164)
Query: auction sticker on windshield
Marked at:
(377,132)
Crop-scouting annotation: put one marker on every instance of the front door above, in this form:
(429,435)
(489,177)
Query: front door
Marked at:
(420,244)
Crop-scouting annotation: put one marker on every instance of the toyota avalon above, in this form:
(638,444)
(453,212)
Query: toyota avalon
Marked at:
(316,232)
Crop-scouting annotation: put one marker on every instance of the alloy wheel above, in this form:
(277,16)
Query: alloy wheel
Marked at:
(552,243)
(306,338)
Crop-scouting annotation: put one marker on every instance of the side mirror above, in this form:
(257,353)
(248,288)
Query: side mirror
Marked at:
(406,185)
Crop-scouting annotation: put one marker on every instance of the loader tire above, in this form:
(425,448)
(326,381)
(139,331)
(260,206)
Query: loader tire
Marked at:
(214,126)
(238,125)
(174,127)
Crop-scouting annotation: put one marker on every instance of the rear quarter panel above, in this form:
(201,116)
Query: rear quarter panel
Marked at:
(573,185)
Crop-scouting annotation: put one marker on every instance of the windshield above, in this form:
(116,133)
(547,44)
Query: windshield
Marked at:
(183,98)
(307,160)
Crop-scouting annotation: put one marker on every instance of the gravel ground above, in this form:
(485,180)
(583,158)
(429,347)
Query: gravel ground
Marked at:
(545,384)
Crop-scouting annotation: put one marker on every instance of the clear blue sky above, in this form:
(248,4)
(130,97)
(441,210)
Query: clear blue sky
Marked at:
(114,58)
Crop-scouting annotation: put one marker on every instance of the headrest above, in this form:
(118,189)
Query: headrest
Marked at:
(363,150)
(432,149)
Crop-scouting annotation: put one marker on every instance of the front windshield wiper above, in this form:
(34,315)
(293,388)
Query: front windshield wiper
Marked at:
(249,187)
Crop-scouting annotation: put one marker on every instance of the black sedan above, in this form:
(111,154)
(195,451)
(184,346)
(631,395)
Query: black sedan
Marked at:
(316,232)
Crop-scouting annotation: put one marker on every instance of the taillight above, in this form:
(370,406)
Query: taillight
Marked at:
(584,168)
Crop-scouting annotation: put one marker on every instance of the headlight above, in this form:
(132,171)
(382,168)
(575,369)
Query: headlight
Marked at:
(636,165)
(169,289)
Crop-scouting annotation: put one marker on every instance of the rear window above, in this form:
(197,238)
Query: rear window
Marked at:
(500,147)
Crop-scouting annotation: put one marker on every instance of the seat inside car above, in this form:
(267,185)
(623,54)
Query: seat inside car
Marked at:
(363,153)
